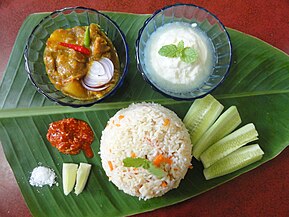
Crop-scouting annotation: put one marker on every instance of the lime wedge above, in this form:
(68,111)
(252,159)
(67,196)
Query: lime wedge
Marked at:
(69,171)
(82,176)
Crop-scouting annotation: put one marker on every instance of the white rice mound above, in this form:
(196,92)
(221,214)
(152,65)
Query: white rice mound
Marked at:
(145,130)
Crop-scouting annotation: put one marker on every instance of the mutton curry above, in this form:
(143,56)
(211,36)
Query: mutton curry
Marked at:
(70,64)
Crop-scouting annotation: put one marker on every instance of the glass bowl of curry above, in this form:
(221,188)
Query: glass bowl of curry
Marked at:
(76,56)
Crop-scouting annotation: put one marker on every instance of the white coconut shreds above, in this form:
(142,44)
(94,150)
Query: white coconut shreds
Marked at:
(41,176)
(145,130)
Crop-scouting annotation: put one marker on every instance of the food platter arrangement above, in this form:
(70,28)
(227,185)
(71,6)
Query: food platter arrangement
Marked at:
(125,113)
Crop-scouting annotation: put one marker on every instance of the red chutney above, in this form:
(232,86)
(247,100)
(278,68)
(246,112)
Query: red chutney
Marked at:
(70,136)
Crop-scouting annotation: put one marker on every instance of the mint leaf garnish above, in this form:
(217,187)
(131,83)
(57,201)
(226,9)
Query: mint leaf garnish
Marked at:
(168,50)
(180,48)
(158,172)
(144,163)
(181,45)
(134,162)
(190,55)
(187,54)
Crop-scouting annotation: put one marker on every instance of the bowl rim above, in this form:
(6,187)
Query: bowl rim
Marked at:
(139,66)
(120,81)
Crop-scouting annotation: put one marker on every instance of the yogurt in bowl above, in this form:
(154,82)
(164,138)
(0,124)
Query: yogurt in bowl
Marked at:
(173,73)
(183,51)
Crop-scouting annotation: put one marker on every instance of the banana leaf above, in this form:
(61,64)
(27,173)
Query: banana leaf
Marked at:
(258,84)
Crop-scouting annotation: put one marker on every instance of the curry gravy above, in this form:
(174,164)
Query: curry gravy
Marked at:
(66,67)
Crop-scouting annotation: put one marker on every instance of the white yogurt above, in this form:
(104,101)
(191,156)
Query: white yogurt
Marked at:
(172,74)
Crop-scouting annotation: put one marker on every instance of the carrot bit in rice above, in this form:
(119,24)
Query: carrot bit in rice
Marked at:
(133,155)
(166,122)
(164,184)
(110,165)
(161,159)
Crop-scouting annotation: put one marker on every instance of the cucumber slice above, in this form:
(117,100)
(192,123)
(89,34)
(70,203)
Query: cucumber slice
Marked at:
(228,144)
(201,115)
(68,175)
(234,161)
(82,176)
(225,124)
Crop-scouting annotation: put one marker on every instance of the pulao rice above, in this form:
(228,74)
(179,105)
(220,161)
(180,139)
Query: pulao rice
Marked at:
(145,130)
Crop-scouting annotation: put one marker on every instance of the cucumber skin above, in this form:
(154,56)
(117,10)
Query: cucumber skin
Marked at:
(231,163)
(227,145)
(230,118)
(201,115)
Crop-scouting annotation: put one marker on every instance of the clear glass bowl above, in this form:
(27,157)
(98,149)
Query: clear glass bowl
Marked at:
(210,25)
(68,18)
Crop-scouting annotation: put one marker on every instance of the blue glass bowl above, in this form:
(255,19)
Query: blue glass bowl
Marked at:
(210,25)
(68,18)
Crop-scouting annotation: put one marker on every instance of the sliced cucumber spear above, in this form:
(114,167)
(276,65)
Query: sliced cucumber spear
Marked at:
(229,144)
(201,115)
(69,171)
(225,124)
(82,176)
(236,160)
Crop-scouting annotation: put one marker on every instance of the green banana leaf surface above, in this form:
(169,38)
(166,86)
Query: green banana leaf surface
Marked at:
(258,84)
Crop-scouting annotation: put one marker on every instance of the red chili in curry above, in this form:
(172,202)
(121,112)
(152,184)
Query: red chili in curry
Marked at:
(70,136)
(76,47)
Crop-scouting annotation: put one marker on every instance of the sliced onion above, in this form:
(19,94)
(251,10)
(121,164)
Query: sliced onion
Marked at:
(96,68)
(108,65)
(99,74)
(96,75)
(94,88)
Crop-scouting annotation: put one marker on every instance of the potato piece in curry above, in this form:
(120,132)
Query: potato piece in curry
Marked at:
(66,67)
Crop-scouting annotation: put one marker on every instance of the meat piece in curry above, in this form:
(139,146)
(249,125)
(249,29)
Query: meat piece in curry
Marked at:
(66,67)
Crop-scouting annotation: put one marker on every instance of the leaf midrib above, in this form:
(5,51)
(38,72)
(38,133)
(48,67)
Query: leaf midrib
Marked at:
(36,111)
